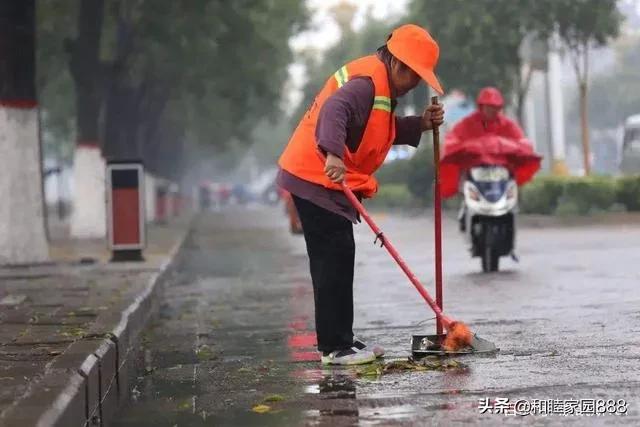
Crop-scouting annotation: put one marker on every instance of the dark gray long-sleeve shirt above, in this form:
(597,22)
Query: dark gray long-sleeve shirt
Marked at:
(341,122)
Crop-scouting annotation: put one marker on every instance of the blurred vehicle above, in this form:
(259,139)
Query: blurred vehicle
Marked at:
(240,194)
(264,188)
(224,193)
(490,169)
(630,162)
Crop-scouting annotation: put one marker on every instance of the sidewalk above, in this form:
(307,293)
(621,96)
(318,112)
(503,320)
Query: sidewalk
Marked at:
(67,327)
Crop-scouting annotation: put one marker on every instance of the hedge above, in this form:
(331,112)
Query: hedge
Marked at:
(396,172)
(410,183)
(541,196)
(628,192)
(570,196)
(391,196)
(544,195)
(415,174)
(421,175)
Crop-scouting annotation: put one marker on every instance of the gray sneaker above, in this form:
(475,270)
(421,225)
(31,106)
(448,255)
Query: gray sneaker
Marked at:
(350,356)
(360,345)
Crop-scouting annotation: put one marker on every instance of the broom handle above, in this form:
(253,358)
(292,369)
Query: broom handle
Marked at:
(437,223)
(396,256)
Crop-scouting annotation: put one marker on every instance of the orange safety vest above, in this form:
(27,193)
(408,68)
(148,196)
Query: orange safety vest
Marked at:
(301,156)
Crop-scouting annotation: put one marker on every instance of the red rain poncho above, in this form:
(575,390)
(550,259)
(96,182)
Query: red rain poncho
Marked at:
(473,143)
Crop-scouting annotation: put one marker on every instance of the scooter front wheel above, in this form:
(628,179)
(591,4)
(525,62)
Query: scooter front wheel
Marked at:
(490,260)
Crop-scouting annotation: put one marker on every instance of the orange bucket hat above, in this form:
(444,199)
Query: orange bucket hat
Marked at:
(414,46)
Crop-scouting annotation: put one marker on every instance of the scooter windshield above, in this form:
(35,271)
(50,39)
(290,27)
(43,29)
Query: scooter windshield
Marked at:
(490,174)
(491,181)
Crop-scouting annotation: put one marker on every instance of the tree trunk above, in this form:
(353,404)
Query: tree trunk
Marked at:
(89,211)
(522,91)
(22,223)
(584,127)
(120,115)
(121,122)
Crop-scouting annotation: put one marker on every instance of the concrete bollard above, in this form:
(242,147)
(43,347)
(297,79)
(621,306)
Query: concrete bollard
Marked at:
(150,197)
(174,200)
(162,202)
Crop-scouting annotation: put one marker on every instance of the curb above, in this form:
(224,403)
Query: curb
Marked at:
(87,390)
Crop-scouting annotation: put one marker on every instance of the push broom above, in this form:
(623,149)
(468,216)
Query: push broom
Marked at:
(458,334)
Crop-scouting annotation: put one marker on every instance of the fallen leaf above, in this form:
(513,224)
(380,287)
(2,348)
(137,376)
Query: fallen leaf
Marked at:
(401,365)
(184,405)
(261,409)
(373,370)
(398,365)
(204,352)
(273,398)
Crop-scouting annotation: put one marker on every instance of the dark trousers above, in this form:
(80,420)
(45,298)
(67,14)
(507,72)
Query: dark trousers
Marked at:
(331,251)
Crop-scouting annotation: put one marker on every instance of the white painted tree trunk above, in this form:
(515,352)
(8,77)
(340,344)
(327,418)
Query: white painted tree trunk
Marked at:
(88,219)
(22,231)
(556,109)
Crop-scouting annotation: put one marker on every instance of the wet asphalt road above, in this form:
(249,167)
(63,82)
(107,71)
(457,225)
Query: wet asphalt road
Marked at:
(236,328)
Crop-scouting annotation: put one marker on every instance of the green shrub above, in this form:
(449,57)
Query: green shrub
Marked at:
(569,208)
(410,182)
(396,172)
(628,192)
(391,196)
(420,175)
(589,194)
(541,195)
(573,195)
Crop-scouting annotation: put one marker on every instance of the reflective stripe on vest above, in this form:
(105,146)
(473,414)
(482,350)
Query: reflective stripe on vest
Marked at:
(382,103)
(379,102)
(342,76)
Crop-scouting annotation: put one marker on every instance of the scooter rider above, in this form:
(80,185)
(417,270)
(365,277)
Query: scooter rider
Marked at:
(487,119)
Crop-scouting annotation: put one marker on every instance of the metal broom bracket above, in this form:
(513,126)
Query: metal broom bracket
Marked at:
(379,236)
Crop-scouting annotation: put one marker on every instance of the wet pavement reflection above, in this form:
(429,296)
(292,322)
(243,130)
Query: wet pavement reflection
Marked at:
(233,341)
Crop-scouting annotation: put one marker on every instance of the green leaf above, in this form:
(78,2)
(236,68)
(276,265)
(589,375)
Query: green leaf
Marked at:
(273,398)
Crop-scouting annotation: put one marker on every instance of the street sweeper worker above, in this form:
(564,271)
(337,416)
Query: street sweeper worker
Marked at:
(345,135)
(487,119)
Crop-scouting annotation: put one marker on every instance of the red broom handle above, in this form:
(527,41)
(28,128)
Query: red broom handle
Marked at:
(396,256)
(437,223)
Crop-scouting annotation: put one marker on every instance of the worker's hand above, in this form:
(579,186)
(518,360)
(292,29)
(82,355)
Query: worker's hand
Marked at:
(334,168)
(433,116)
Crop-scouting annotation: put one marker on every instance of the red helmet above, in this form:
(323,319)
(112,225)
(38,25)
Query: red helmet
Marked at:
(490,96)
